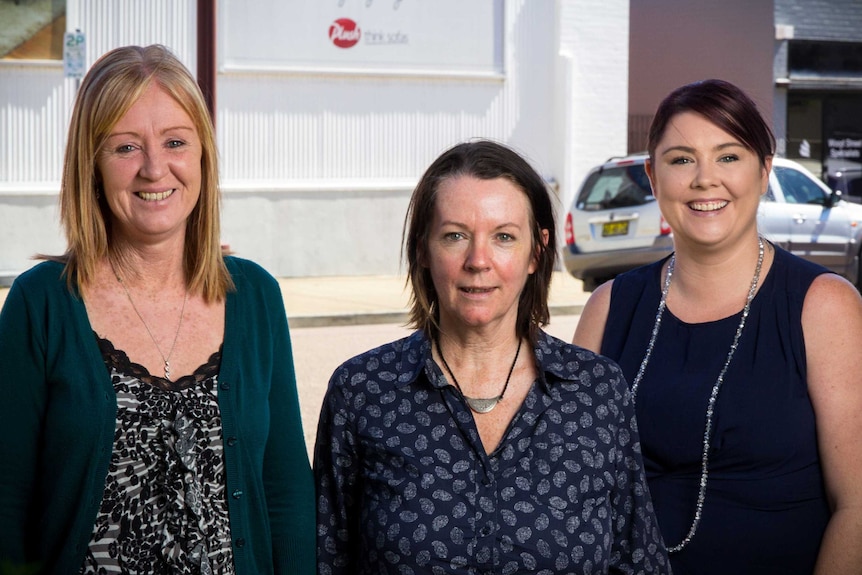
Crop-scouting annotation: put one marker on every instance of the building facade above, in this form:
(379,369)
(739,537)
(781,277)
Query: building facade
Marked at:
(328,113)
(818,82)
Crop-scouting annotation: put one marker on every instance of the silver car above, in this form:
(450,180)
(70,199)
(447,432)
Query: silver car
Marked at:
(614,223)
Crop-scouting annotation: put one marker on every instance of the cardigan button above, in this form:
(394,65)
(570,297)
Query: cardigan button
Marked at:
(237,493)
(225,385)
(240,542)
(231,441)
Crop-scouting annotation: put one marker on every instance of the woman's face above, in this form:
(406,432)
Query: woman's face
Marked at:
(479,252)
(708,184)
(150,169)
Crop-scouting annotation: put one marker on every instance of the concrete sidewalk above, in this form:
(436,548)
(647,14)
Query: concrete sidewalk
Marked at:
(358,300)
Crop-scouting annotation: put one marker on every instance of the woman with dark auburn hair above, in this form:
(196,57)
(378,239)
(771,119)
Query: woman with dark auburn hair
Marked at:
(148,404)
(479,443)
(741,357)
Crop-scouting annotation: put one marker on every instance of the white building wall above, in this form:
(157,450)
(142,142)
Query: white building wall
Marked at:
(35,106)
(318,167)
(322,165)
(593,75)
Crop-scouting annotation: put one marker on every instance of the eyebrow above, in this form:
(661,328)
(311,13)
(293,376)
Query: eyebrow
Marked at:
(690,150)
(464,226)
(163,132)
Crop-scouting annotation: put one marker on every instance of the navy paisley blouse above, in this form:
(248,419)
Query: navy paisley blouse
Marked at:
(405,485)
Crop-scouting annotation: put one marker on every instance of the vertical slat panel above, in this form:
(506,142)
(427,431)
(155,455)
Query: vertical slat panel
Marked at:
(35,107)
(36,100)
(294,127)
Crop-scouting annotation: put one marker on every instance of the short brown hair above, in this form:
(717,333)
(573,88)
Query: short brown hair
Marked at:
(109,89)
(723,104)
(485,160)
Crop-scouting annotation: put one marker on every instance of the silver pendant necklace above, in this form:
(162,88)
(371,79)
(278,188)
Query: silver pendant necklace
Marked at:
(167,359)
(480,404)
(713,396)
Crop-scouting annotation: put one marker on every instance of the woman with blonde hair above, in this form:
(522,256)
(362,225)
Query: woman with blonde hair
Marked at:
(148,400)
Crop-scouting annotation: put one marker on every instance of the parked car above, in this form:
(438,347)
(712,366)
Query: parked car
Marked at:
(614,223)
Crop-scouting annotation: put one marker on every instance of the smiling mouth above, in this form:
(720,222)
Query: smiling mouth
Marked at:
(708,206)
(155,196)
(476,290)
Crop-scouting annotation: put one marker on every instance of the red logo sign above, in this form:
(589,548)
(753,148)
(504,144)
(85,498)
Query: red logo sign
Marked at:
(344,33)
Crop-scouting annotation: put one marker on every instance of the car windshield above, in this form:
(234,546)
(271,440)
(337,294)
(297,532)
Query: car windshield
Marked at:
(797,188)
(615,187)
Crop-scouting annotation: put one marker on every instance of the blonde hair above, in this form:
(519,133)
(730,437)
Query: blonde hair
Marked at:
(109,89)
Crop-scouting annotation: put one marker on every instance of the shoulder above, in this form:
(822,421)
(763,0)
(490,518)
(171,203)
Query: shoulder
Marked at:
(590,329)
(251,279)
(46,279)
(248,271)
(47,272)
(397,363)
(637,278)
(570,362)
(830,295)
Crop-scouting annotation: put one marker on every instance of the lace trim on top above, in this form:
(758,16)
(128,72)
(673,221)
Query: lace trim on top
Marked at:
(164,509)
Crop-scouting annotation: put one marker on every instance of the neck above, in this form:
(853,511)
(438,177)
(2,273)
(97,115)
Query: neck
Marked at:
(699,269)
(715,285)
(148,269)
(478,349)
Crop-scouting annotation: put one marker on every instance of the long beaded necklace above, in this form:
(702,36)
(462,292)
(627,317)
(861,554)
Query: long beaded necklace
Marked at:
(165,359)
(480,404)
(713,396)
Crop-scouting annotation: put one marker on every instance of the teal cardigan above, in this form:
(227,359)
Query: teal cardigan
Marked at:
(58,413)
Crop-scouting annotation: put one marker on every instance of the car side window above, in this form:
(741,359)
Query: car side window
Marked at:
(615,187)
(798,188)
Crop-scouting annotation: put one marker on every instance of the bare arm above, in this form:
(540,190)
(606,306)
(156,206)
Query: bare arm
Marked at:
(591,325)
(832,326)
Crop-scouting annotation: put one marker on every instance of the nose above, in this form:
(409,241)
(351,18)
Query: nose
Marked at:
(155,164)
(704,175)
(478,256)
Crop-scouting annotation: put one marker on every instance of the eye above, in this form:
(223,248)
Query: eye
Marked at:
(505,237)
(176,143)
(124,149)
(454,236)
(680,161)
(729,158)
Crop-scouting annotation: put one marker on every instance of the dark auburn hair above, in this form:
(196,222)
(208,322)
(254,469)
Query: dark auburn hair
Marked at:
(485,160)
(723,104)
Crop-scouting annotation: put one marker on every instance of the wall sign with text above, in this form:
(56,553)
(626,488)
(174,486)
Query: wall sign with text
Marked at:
(432,36)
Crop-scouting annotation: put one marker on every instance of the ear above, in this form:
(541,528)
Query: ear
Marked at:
(534,261)
(767,169)
(649,174)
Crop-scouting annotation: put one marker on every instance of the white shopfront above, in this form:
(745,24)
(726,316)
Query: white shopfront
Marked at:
(327,112)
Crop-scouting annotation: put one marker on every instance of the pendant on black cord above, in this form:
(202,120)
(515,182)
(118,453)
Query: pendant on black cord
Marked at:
(482,404)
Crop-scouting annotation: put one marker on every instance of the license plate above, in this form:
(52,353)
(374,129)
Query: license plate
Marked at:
(620,228)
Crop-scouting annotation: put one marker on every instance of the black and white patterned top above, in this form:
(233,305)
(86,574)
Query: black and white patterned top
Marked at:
(405,485)
(164,508)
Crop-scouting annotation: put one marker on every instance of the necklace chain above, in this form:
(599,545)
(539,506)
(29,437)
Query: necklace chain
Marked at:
(167,359)
(713,396)
(480,404)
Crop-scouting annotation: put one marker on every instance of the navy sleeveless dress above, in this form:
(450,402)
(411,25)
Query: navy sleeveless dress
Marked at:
(765,510)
